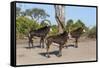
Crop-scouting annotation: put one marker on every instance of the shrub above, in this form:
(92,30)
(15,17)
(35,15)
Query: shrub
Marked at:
(92,32)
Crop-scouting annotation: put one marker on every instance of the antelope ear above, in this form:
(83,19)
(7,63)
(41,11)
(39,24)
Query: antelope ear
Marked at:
(84,30)
(50,29)
(47,25)
(29,34)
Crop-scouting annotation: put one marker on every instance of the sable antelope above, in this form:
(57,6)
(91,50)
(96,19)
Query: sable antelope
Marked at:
(59,39)
(76,34)
(42,33)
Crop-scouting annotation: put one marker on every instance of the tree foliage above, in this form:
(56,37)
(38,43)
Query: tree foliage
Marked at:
(54,30)
(92,32)
(18,10)
(36,13)
(24,24)
(71,25)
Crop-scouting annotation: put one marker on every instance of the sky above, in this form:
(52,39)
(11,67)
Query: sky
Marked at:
(85,14)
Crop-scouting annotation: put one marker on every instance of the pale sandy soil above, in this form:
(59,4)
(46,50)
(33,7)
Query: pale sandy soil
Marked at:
(86,51)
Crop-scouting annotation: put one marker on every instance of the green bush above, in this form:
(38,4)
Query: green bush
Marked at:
(54,30)
(92,32)
(23,25)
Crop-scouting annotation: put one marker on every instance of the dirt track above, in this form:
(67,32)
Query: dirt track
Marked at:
(86,51)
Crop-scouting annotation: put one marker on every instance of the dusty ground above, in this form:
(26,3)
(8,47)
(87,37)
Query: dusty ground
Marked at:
(86,51)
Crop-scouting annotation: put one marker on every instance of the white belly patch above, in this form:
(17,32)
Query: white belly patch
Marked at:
(55,44)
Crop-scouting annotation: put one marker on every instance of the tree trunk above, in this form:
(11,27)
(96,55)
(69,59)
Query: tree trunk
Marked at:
(59,15)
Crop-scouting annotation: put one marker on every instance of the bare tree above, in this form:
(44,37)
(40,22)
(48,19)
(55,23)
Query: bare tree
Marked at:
(59,16)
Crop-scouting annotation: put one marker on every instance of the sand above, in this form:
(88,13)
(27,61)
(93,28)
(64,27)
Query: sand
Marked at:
(86,51)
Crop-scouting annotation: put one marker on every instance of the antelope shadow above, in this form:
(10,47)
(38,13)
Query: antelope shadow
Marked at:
(51,53)
(35,46)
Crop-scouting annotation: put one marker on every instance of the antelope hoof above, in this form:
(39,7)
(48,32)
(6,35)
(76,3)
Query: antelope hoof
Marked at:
(48,56)
(76,46)
(42,46)
(29,47)
(59,55)
(66,46)
(32,47)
